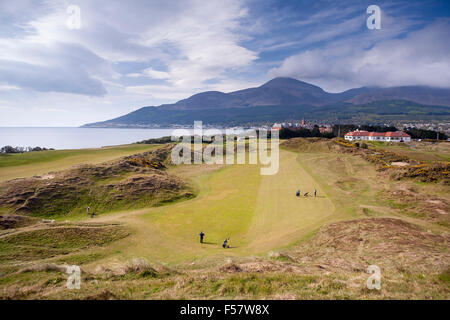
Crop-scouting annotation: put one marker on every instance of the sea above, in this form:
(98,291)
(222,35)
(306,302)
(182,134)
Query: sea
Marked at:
(75,138)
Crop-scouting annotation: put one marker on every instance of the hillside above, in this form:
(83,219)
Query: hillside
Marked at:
(373,112)
(283,99)
(129,182)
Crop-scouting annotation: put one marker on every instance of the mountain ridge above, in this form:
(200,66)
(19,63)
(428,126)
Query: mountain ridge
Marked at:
(283,92)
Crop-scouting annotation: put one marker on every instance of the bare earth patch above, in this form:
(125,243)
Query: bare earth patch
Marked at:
(399,164)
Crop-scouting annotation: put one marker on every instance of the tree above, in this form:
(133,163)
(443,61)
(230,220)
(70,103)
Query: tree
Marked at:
(9,149)
(416,133)
(315,132)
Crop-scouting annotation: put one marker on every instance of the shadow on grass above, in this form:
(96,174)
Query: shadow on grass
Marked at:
(303,197)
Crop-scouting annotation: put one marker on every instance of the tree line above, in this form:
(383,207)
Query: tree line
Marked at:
(288,133)
(10,149)
(339,130)
(425,134)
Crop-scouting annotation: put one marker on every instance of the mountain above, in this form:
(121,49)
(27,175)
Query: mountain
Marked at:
(283,91)
(279,91)
(285,98)
(419,94)
(288,91)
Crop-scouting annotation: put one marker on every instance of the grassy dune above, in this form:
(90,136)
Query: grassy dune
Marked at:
(14,166)
(37,244)
(421,151)
(358,190)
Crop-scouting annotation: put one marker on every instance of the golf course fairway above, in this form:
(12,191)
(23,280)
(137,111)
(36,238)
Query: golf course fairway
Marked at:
(258,213)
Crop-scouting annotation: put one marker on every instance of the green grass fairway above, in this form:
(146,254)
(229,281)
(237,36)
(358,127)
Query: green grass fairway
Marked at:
(14,166)
(259,213)
(280,217)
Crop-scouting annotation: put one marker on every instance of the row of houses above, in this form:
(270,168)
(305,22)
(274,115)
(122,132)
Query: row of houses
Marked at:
(302,125)
(292,125)
(396,136)
(357,135)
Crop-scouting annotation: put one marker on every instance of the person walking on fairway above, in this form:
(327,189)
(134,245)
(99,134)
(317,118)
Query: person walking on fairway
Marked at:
(201,234)
(88,209)
(315,192)
(298,193)
(225,243)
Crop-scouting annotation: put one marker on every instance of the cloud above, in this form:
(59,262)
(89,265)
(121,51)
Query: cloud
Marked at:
(8,88)
(2,107)
(205,45)
(346,27)
(139,52)
(421,58)
(52,110)
(170,92)
(50,78)
(158,91)
(206,37)
(150,73)
(194,40)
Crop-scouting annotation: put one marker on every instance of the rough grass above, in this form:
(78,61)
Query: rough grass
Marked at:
(49,242)
(130,182)
(431,169)
(332,265)
(10,221)
(418,150)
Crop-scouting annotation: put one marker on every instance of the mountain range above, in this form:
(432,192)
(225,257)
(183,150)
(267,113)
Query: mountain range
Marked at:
(283,99)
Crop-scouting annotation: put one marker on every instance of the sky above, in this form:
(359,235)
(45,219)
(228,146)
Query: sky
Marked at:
(67,63)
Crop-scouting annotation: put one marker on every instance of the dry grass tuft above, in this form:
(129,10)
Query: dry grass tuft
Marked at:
(103,295)
(47,267)
(140,266)
(137,266)
(393,244)
(230,268)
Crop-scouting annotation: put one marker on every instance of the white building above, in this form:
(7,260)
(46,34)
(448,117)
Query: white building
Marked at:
(396,136)
(277,126)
